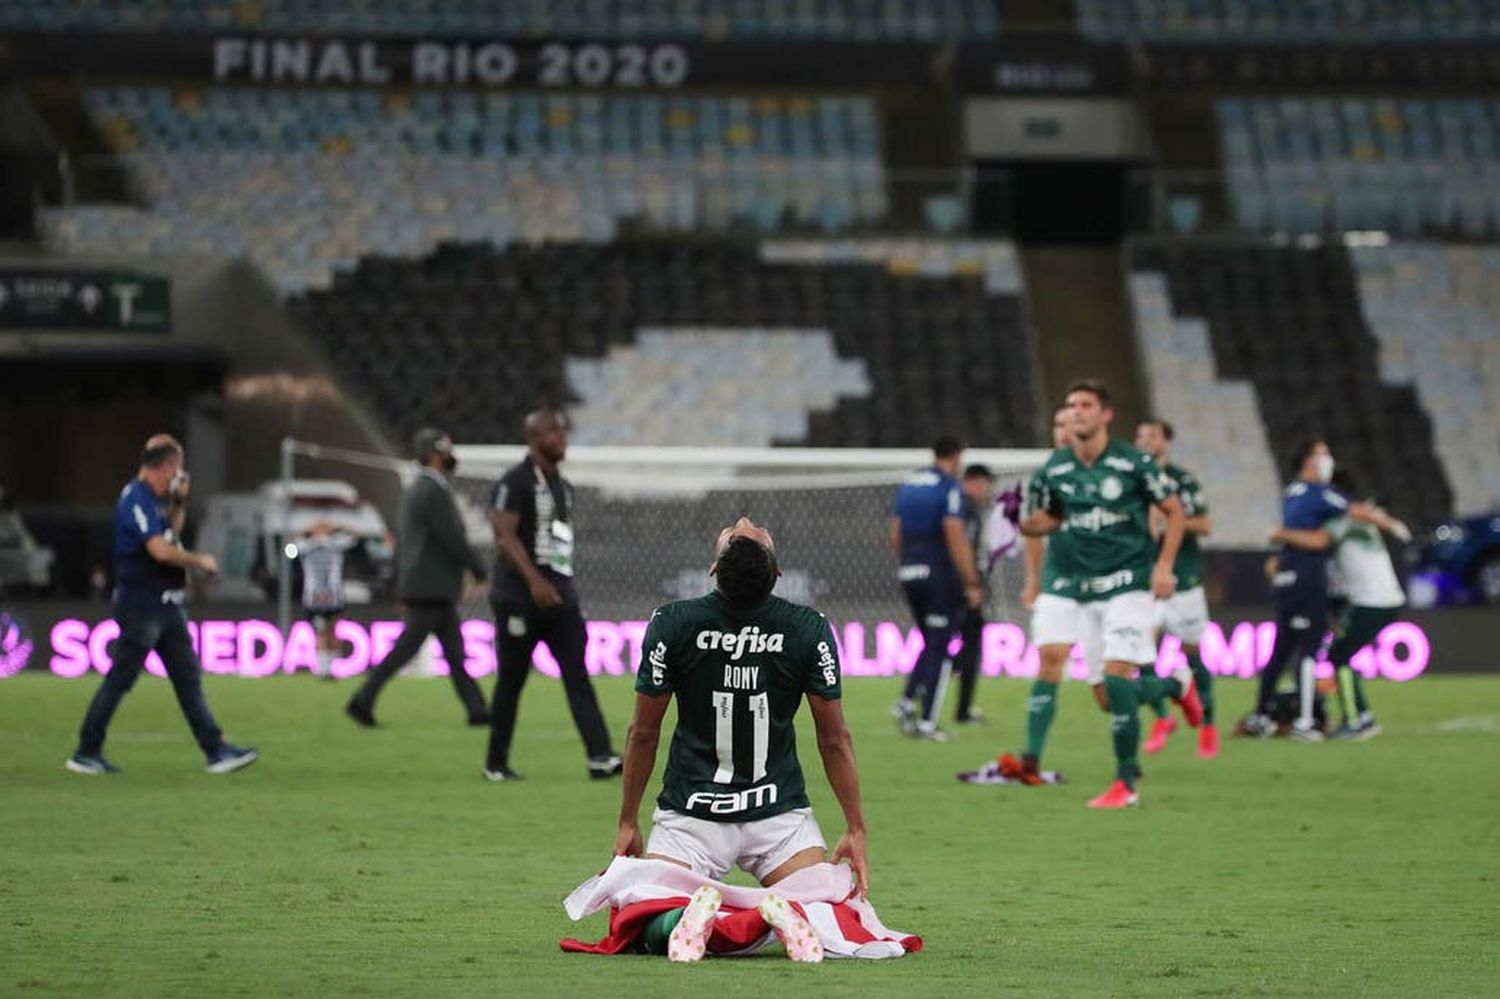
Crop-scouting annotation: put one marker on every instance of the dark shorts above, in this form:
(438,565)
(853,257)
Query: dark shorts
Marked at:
(936,602)
(1358,627)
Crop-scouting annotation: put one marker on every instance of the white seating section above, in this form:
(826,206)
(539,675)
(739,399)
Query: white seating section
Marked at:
(996,260)
(1403,166)
(1221,437)
(1436,312)
(307,182)
(711,387)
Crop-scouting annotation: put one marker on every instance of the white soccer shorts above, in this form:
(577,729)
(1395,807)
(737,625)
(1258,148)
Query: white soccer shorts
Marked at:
(1054,620)
(712,849)
(1184,614)
(1124,627)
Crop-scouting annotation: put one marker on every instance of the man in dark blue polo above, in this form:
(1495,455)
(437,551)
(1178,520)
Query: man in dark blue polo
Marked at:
(938,575)
(150,585)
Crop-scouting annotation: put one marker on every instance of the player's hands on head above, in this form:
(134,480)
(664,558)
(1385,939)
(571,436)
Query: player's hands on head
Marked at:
(544,594)
(1163,582)
(628,841)
(852,848)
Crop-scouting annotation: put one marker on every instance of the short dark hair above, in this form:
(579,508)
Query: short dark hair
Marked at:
(1166,428)
(947,446)
(1093,385)
(425,441)
(1304,447)
(746,571)
(979,472)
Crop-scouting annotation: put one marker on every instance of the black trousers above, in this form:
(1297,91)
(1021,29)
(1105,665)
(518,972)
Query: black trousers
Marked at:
(1301,623)
(425,618)
(162,629)
(518,629)
(966,663)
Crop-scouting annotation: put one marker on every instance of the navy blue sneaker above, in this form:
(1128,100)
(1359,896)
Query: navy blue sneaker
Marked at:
(93,766)
(228,758)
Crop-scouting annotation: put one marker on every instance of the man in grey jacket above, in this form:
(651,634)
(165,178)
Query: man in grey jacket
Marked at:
(432,553)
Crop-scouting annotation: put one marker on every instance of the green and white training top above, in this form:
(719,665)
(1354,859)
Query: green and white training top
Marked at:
(1363,563)
(1105,508)
(738,675)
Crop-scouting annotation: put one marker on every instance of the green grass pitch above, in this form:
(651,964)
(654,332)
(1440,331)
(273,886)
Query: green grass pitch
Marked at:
(353,862)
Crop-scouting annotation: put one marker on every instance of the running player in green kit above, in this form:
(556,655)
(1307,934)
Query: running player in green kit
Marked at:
(1184,614)
(1103,492)
(738,661)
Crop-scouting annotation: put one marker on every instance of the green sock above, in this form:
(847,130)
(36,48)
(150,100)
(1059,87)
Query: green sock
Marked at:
(1154,690)
(1204,681)
(654,938)
(1040,707)
(1124,725)
(1351,693)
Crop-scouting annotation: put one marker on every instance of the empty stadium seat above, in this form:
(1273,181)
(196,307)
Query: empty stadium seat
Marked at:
(1238,22)
(898,343)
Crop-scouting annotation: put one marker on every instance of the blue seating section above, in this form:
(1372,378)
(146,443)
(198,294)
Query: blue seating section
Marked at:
(1239,22)
(1405,166)
(810,20)
(304,182)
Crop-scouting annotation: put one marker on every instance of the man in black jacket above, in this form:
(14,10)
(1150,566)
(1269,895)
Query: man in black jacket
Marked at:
(433,552)
(534,598)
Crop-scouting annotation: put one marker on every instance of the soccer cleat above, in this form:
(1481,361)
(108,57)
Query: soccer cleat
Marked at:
(602,767)
(1119,795)
(974,717)
(1208,742)
(228,758)
(92,766)
(1305,733)
(1258,725)
(929,732)
(1367,729)
(1160,730)
(1189,702)
(794,932)
(501,773)
(905,714)
(361,713)
(1022,771)
(689,939)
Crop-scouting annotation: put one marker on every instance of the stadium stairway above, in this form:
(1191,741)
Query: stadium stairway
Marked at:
(1288,320)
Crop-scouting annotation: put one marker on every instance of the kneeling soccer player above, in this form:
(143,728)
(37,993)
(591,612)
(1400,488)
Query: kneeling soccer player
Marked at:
(738,660)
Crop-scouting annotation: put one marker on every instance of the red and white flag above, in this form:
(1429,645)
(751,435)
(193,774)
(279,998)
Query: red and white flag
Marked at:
(636,890)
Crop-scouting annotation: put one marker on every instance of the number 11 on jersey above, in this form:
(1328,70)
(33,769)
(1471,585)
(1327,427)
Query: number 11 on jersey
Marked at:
(760,719)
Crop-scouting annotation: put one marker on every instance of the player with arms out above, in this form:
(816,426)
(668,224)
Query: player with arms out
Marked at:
(738,661)
(1103,491)
(1184,614)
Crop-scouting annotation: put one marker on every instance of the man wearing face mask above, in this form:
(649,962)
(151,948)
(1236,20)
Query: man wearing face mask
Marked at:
(1300,580)
(150,585)
(432,553)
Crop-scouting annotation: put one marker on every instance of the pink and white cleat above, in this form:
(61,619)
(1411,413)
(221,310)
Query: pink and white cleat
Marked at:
(689,939)
(1208,742)
(794,932)
(1119,795)
(1160,729)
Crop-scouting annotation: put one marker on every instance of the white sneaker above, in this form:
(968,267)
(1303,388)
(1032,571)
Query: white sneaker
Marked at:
(1305,733)
(794,932)
(689,939)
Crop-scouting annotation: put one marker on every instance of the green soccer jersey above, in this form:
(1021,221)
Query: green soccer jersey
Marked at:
(739,676)
(1189,565)
(1105,508)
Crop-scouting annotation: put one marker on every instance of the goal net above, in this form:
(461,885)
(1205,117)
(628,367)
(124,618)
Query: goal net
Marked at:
(645,519)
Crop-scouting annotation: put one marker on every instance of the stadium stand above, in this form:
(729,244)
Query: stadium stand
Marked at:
(1288,320)
(474,336)
(1222,438)
(1406,166)
(1435,310)
(305,182)
(1237,22)
(811,20)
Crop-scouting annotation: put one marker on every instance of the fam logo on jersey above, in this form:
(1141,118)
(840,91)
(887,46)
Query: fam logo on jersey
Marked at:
(15,645)
(658,660)
(747,639)
(1119,464)
(731,802)
(828,665)
(1111,488)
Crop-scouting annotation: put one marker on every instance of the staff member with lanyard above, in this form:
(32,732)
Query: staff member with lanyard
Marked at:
(534,598)
(150,586)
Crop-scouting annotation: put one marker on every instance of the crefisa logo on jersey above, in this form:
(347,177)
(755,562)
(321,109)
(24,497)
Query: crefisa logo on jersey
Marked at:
(747,639)
(827,664)
(658,659)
